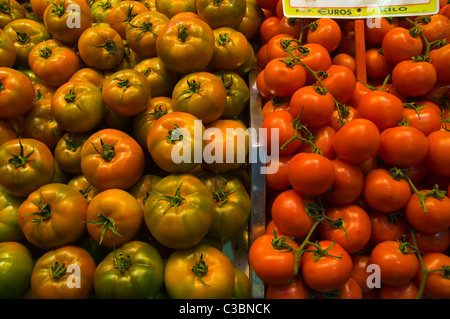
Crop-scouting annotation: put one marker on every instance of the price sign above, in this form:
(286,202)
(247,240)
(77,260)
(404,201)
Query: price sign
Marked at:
(357,9)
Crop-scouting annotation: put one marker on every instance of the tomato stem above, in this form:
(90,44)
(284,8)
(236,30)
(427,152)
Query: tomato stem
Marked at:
(175,134)
(193,87)
(57,270)
(110,46)
(107,223)
(107,152)
(182,33)
(21,159)
(175,200)
(121,262)
(200,269)
(220,194)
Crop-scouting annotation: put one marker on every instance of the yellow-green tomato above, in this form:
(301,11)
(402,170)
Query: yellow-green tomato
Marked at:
(201,272)
(133,271)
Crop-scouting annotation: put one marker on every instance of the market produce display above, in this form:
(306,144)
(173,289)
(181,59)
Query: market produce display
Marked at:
(121,152)
(359,204)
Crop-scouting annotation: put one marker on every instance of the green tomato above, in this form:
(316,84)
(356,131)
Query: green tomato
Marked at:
(16,266)
(9,227)
(232,204)
(133,271)
(179,211)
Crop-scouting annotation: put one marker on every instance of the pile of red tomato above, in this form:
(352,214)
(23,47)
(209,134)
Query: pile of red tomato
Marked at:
(359,207)
(95,98)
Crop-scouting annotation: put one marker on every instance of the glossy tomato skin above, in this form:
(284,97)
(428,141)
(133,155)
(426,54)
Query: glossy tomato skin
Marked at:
(78,106)
(398,263)
(399,45)
(311,173)
(143,121)
(385,193)
(329,272)
(53,216)
(22,172)
(17,90)
(359,271)
(162,80)
(53,63)
(112,159)
(290,215)
(59,284)
(67,152)
(340,82)
(60,24)
(134,270)
(9,226)
(386,226)
(232,204)
(414,78)
(351,227)
(281,121)
(185,224)
(182,282)
(101,47)
(16,264)
(8,52)
(438,155)
(326,32)
(114,217)
(227,13)
(201,94)
(382,108)
(423,116)
(34,33)
(271,264)
(197,38)
(437,284)
(282,78)
(436,218)
(348,184)
(167,148)
(403,146)
(127,92)
(357,141)
(312,106)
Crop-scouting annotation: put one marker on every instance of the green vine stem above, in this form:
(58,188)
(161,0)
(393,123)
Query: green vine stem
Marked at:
(57,270)
(397,174)
(425,271)
(175,200)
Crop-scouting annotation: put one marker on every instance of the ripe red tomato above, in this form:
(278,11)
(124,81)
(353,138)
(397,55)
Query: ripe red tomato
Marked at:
(312,105)
(437,284)
(281,121)
(423,115)
(326,266)
(357,141)
(322,141)
(437,159)
(316,57)
(311,173)
(385,193)
(348,185)
(349,226)
(112,159)
(340,82)
(398,45)
(359,271)
(325,31)
(273,259)
(440,60)
(431,242)
(429,214)
(382,108)
(397,261)
(290,213)
(403,146)
(283,77)
(386,226)
(377,66)
(414,78)
(279,180)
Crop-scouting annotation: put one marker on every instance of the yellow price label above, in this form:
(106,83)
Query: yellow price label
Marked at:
(354,9)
